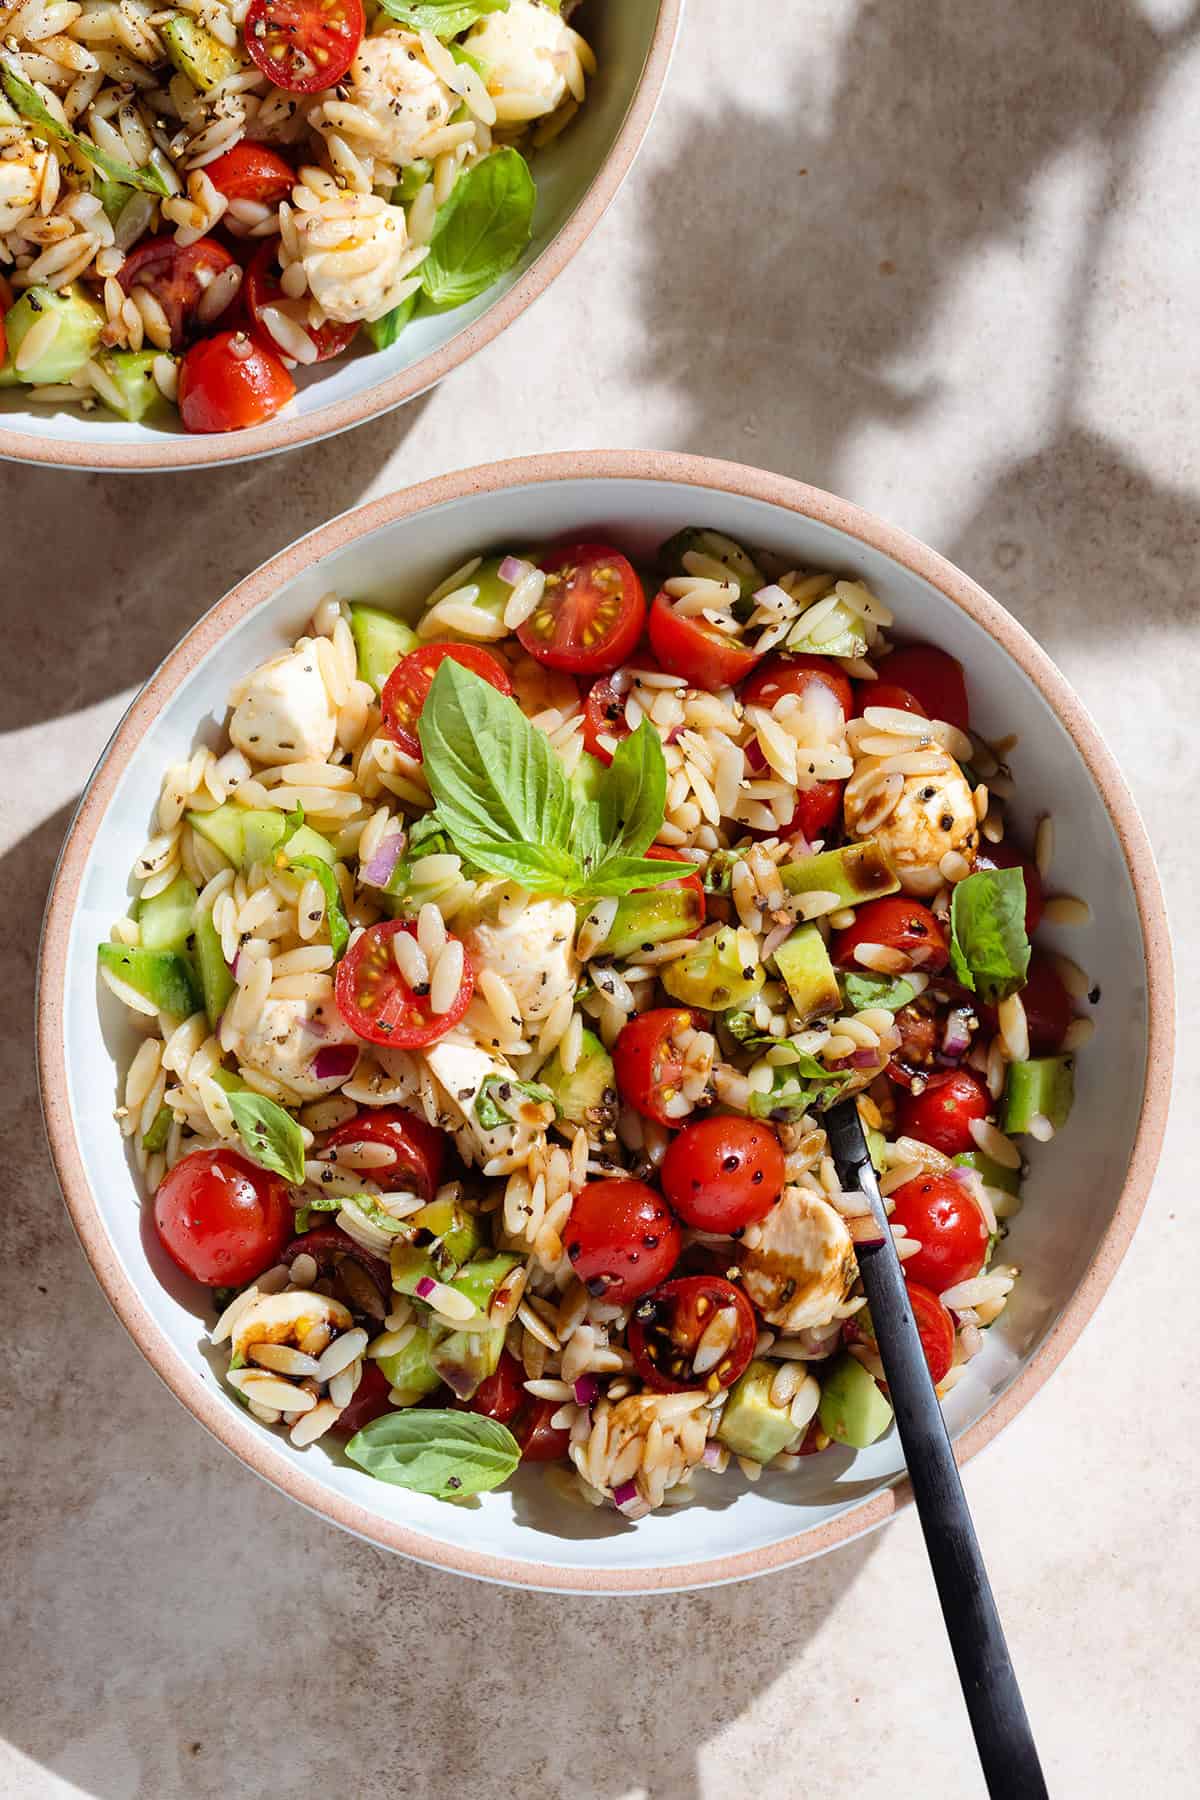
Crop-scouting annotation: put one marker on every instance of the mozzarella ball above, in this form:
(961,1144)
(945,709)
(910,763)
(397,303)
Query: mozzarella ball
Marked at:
(525,51)
(534,952)
(286,1039)
(934,815)
(284,714)
(390,79)
(798,1265)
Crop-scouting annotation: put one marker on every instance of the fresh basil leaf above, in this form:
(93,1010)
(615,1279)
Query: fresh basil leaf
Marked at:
(627,874)
(493,775)
(335,917)
(541,870)
(446,1454)
(496,1093)
(633,794)
(384,332)
(481,230)
(791,1094)
(988,945)
(303,1215)
(32,107)
(295,819)
(445,18)
(271,1135)
(891,992)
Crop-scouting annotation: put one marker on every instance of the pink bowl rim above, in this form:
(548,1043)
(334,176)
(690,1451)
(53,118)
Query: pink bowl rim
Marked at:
(180,451)
(226,1422)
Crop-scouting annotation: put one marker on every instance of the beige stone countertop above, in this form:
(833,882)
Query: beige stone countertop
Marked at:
(942,259)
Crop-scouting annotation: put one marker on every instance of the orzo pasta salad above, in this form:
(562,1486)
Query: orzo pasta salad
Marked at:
(197,198)
(493,979)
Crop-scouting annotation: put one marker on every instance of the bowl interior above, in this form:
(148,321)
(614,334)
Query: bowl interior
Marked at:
(621,32)
(1076,1182)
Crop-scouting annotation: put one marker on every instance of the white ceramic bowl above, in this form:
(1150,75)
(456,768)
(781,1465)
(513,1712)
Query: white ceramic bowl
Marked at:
(577,175)
(1087,1187)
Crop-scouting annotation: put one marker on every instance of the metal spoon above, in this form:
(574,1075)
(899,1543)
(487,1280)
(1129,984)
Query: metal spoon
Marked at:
(1003,1737)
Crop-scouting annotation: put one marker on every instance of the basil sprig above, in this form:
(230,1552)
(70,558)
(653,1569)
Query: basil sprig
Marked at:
(989,948)
(502,796)
(32,107)
(271,1136)
(446,1454)
(445,18)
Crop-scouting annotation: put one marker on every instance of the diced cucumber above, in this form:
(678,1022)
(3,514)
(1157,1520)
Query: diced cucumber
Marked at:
(852,1410)
(803,961)
(751,1424)
(846,635)
(248,835)
(165,920)
(409,1371)
(853,873)
(443,1238)
(990,1172)
(714,975)
(719,548)
(263,833)
(465,1358)
(155,1138)
(452,1226)
(651,917)
(216,979)
(79,327)
(479,1278)
(196,53)
(161,976)
(304,841)
(413,177)
(588,1095)
(132,375)
(1045,1085)
(381,639)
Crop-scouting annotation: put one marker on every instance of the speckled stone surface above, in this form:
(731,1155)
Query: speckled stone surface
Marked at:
(941,258)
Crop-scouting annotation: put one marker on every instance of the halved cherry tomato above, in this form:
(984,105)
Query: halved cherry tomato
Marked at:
(228,383)
(913,1064)
(376,1001)
(362,1281)
(723,1172)
(261,288)
(649,1062)
(501,1395)
(939,1212)
(419,1147)
(304,45)
(667,1326)
(897,923)
(221,1218)
(933,677)
(817,808)
(781,675)
(407,687)
(942,1115)
(252,171)
(369,1401)
(885,693)
(622,1239)
(702,654)
(1006,856)
(933,1322)
(1048,1008)
(590,616)
(177,276)
(541,1441)
(603,716)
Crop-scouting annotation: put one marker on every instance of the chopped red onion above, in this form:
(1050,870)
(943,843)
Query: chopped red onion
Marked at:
(513,570)
(863,1059)
(626,1495)
(865,1232)
(381,867)
(587,1390)
(233,967)
(425,1287)
(712,1454)
(335,1062)
(956,1039)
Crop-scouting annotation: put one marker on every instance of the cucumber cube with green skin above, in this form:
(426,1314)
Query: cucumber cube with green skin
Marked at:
(990,1172)
(216,978)
(79,327)
(652,917)
(196,53)
(854,873)
(451,1237)
(847,636)
(161,976)
(132,375)
(713,975)
(381,640)
(751,1424)
(304,841)
(452,1226)
(478,1279)
(852,1409)
(463,1359)
(588,1095)
(1045,1085)
(165,921)
(160,1129)
(409,1371)
(876,1148)
(742,568)
(413,177)
(803,961)
(247,835)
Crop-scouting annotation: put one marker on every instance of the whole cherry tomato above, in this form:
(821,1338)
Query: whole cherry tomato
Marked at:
(723,1172)
(941,1214)
(897,923)
(622,1239)
(221,1218)
(941,1116)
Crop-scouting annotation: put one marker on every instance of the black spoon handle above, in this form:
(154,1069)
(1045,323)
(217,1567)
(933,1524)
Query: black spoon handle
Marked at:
(1003,1736)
